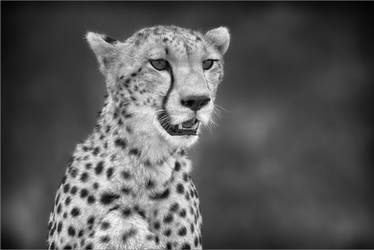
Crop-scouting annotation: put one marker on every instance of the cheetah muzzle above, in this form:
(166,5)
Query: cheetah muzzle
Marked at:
(129,184)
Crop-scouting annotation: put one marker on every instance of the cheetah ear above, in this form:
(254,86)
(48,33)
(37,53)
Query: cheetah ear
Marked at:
(104,47)
(220,38)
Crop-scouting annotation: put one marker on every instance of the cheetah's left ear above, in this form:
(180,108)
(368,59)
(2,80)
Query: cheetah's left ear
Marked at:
(220,38)
(105,49)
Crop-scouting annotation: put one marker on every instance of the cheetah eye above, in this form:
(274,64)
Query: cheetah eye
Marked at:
(159,64)
(207,64)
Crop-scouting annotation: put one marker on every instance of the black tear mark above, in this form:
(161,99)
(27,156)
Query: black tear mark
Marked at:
(164,101)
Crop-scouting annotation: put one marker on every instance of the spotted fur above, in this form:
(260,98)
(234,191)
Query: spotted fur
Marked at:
(128,185)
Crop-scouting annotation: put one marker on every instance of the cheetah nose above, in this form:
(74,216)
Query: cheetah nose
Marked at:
(195,102)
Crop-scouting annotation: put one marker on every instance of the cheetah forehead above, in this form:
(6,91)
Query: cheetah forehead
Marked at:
(178,40)
(171,30)
(172,34)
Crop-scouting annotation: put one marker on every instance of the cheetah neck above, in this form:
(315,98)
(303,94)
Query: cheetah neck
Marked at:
(146,151)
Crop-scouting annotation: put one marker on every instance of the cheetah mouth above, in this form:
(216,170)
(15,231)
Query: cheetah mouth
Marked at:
(189,127)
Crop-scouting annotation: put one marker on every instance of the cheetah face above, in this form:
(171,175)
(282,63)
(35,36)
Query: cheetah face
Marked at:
(166,76)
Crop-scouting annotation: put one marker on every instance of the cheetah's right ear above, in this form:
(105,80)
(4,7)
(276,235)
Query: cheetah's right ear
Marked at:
(105,48)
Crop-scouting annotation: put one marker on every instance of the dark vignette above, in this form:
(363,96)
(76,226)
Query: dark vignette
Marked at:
(290,164)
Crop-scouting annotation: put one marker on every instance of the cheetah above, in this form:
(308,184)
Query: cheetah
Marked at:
(128,185)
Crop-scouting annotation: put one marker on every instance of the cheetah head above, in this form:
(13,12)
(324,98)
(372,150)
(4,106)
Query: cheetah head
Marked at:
(163,78)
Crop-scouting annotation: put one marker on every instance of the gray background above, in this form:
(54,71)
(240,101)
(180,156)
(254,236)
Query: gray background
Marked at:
(289,164)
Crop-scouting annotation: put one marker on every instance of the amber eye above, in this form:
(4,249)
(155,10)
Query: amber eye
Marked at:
(159,64)
(207,64)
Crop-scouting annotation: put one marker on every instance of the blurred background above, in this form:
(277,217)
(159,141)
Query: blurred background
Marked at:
(290,163)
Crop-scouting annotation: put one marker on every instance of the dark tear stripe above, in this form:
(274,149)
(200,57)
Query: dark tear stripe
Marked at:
(170,88)
(170,70)
(160,196)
